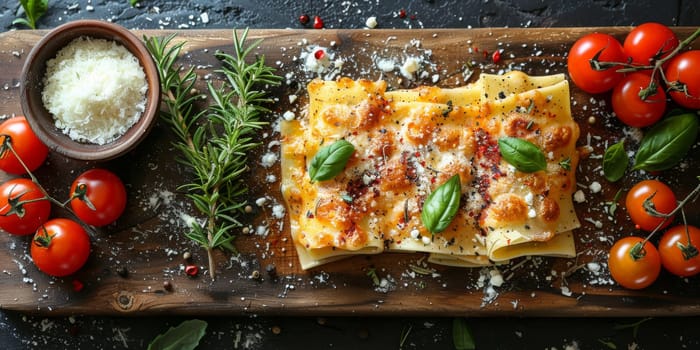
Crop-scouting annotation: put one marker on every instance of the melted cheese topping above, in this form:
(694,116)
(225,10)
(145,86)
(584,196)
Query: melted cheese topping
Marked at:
(409,142)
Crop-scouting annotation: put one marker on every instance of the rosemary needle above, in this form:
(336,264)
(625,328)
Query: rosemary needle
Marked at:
(214,142)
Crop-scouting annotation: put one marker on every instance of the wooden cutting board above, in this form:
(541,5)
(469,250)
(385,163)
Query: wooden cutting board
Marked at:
(149,239)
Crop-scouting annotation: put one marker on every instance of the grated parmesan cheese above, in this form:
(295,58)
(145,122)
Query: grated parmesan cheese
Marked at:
(95,89)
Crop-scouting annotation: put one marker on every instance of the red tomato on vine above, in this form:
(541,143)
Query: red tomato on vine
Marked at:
(601,48)
(635,104)
(677,256)
(632,264)
(22,210)
(658,197)
(98,197)
(649,42)
(60,247)
(683,74)
(29,148)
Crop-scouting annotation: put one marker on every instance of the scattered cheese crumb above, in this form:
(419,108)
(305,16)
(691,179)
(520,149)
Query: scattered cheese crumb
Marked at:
(269,159)
(288,115)
(386,65)
(496,279)
(371,22)
(595,187)
(278,211)
(579,196)
(410,66)
(204,17)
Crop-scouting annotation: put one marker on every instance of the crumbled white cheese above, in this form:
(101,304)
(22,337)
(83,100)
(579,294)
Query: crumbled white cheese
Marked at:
(261,201)
(409,67)
(292,98)
(531,213)
(278,211)
(386,65)
(425,240)
(595,187)
(496,279)
(414,233)
(316,59)
(95,89)
(269,159)
(593,267)
(579,196)
(288,115)
(371,22)
(204,17)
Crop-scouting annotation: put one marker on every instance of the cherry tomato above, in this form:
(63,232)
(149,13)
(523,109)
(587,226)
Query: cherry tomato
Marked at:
(98,197)
(659,194)
(29,148)
(684,70)
(634,270)
(585,49)
(60,247)
(17,217)
(673,256)
(648,42)
(629,106)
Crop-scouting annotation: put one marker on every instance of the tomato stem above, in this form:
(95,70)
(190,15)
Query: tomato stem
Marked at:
(679,207)
(637,252)
(657,67)
(43,238)
(81,194)
(7,145)
(688,250)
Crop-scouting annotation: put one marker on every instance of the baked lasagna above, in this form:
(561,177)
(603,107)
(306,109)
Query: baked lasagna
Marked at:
(407,143)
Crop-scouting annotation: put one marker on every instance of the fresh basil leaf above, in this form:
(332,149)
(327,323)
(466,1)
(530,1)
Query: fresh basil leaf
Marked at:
(330,160)
(461,335)
(665,144)
(522,154)
(186,336)
(33,9)
(441,205)
(615,161)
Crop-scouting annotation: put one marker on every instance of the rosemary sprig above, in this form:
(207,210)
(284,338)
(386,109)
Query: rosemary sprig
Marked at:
(214,142)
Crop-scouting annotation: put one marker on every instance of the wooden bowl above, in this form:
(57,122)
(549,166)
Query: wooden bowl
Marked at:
(42,122)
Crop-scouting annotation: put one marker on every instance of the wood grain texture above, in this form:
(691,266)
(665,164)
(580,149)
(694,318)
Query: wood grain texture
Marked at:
(149,240)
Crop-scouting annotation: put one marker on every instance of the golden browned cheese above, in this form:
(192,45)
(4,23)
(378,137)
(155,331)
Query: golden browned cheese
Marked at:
(408,143)
(509,208)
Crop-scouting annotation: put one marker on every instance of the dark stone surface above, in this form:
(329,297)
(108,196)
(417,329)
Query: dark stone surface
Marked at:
(19,331)
(352,14)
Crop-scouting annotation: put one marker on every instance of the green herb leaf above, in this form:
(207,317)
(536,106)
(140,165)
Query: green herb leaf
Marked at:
(609,344)
(615,161)
(133,2)
(33,9)
(461,335)
(522,154)
(565,164)
(214,141)
(665,144)
(330,160)
(441,205)
(186,336)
